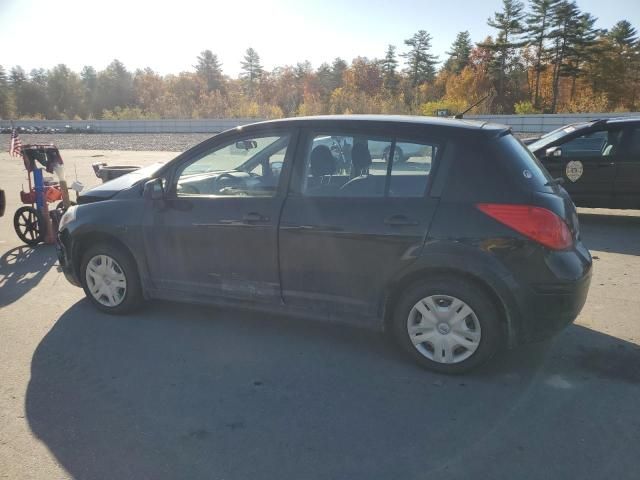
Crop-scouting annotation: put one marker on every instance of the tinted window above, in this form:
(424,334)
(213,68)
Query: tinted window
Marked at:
(344,165)
(555,135)
(633,147)
(341,165)
(411,168)
(590,145)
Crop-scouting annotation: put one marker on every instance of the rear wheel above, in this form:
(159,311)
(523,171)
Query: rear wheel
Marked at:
(447,325)
(110,279)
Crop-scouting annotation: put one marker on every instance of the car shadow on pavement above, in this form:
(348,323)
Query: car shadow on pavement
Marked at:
(611,233)
(177,391)
(21,269)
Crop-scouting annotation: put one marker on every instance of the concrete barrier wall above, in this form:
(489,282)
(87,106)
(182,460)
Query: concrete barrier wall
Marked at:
(545,123)
(138,126)
(519,123)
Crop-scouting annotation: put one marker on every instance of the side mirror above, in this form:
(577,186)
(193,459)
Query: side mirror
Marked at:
(246,144)
(553,152)
(153,189)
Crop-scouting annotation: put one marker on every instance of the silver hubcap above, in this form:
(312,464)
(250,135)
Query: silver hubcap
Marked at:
(106,280)
(444,329)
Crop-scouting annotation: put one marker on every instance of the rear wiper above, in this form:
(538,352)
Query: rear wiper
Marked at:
(555,181)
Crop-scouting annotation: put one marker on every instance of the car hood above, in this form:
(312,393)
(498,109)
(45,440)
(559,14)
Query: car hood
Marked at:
(110,188)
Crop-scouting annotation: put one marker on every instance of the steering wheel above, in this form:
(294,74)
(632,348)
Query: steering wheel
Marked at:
(218,182)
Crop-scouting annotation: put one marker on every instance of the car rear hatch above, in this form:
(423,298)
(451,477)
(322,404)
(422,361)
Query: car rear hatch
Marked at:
(531,176)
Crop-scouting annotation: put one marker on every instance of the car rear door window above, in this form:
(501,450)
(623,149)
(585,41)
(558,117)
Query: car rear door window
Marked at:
(341,165)
(411,168)
(348,165)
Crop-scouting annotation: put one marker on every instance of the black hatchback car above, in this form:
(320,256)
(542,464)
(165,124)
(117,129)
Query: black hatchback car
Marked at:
(598,160)
(463,247)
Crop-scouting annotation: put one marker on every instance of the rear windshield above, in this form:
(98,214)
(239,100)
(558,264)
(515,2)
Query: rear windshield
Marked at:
(521,164)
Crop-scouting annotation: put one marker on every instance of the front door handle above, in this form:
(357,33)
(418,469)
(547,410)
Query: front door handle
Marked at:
(400,221)
(606,164)
(254,217)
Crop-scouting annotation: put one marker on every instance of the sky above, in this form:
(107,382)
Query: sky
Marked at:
(168,36)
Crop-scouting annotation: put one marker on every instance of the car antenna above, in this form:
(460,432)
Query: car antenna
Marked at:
(459,116)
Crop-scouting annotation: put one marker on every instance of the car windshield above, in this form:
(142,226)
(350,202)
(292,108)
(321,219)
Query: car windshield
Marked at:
(242,155)
(553,136)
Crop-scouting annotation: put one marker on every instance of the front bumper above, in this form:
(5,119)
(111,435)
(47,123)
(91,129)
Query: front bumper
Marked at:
(64,250)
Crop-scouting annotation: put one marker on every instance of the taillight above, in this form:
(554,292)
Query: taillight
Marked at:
(537,223)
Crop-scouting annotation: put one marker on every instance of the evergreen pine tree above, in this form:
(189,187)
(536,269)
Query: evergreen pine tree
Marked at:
(420,62)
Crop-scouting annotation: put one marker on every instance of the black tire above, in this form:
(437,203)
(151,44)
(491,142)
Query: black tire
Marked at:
(29,224)
(488,316)
(3,202)
(133,292)
(398,154)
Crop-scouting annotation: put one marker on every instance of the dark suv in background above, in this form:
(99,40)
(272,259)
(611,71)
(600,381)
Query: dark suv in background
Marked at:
(464,246)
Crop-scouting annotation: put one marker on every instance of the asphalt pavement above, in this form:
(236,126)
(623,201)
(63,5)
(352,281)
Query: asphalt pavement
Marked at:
(179,391)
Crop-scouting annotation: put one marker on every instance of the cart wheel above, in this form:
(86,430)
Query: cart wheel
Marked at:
(29,225)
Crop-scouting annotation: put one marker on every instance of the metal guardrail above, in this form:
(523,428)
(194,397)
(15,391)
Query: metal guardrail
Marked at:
(519,123)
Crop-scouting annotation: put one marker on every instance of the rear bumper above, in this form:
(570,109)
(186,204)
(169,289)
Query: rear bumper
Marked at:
(64,250)
(551,307)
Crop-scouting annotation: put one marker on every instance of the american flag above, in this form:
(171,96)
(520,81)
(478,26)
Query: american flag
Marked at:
(15,148)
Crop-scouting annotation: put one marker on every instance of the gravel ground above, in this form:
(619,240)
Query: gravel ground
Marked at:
(160,142)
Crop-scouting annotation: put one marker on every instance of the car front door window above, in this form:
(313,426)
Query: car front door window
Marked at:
(249,167)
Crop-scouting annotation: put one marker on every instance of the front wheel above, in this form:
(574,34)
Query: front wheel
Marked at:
(447,325)
(110,279)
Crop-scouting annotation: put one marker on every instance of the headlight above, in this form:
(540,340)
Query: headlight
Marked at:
(68,217)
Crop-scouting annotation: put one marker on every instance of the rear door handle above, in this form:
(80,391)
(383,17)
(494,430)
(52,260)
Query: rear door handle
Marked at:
(399,221)
(606,164)
(254,217)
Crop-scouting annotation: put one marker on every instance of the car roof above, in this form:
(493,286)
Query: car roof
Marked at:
(392,119)
(623,120)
